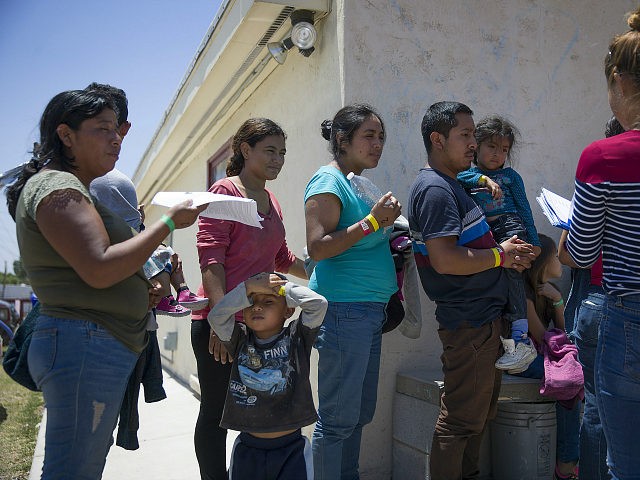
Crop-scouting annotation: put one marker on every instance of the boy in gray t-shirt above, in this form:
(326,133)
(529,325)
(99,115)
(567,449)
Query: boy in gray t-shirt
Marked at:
(269,395)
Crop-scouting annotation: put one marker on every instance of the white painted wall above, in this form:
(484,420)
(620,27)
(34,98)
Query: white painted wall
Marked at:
(537,61)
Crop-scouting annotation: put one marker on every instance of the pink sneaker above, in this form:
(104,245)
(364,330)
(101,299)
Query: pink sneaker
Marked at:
(189,299)
(168,306)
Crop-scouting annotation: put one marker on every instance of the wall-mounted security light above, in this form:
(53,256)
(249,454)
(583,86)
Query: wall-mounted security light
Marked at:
(278,50)
(303,35)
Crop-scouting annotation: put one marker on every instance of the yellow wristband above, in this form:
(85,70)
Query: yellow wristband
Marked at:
(373,221)
(482,180)
(496,254)
(168,221)
(282,291)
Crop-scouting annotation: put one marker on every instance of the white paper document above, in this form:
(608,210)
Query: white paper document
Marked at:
(222,207)
(556,208)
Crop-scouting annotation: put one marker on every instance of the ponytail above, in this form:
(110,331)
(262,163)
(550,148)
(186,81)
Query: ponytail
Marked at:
(344,125)
(17,177)
(235,164)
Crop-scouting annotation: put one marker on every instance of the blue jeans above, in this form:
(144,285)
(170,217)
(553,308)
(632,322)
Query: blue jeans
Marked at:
(83,372)
(503,228)
(580,288)
(593,445)
(617,377)
(567,421)
(348,366)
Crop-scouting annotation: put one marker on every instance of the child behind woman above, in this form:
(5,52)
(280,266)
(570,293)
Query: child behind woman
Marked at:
(269,395)
(545,311)
(508,213)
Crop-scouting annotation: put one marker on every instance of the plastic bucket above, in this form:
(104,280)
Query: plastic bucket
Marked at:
(523,441)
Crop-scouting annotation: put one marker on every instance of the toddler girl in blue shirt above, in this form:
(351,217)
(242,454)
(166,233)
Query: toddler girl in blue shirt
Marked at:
(503,199)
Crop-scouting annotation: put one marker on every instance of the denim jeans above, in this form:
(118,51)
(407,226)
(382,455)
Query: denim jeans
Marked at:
(617,376)
(567,421)
(503,228)
(83,372)
(593,445)
(580,288)
(348,366)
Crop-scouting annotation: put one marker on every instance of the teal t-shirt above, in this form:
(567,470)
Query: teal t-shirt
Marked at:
(363,273)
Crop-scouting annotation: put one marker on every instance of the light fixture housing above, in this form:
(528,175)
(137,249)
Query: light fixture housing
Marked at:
(303,35)
(278,50)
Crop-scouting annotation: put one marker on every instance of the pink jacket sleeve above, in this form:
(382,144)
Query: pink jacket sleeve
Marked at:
(214,236)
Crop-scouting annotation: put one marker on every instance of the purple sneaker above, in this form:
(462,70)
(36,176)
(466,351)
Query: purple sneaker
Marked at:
(189,299)
(168,306)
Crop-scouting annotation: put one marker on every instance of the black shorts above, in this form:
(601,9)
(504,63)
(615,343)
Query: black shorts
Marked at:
(282,458)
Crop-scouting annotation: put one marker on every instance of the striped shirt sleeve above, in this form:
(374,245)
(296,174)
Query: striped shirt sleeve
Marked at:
(587,223)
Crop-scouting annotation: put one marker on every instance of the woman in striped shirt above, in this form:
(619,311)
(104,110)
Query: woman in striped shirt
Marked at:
(605,218)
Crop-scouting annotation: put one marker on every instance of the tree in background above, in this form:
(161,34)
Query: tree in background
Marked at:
(19,273)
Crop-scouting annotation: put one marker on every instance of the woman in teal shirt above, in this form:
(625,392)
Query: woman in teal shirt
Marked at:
(355,272)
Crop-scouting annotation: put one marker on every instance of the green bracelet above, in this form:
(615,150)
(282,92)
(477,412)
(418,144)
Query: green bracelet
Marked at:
(168,221)
(558,303)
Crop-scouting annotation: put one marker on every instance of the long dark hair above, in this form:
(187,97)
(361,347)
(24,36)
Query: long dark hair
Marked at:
(70,108)
(341,129)
(533,276)
(251,131)
(497,126)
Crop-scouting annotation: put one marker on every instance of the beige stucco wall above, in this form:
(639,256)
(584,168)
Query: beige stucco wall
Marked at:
(539,62)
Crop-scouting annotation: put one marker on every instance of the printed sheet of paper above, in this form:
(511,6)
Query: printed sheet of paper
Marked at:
(222,207)
(556,208)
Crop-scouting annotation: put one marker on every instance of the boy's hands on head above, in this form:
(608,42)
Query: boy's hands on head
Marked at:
(266,283)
